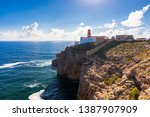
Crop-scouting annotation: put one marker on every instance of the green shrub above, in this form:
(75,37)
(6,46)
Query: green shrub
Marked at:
(134,94)
(112,80)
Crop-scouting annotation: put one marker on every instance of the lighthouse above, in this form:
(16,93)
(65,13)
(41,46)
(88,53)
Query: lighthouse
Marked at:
(89,33)
(87,39)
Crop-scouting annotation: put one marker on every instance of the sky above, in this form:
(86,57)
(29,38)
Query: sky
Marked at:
(46,20)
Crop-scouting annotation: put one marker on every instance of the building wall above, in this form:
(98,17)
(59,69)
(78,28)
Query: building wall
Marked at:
(141,39)
(87,40)
(94,50)
(124,37)
(101,39)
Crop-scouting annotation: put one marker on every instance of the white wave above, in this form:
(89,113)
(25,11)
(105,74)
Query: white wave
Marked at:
(36,96)
(36,63)
(43,63)
(34,85)
(11,65)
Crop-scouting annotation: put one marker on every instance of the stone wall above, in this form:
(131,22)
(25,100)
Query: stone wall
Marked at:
(93,51)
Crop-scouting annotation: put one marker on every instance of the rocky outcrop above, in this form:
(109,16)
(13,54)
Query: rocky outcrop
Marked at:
(118,71)
(69,62)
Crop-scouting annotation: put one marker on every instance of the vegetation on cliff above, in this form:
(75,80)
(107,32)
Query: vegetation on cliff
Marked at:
(134,94)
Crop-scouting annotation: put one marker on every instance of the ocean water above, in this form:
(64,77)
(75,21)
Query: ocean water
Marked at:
(26,72)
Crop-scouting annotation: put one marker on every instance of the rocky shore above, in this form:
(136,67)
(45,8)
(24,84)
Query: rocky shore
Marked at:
(118,71)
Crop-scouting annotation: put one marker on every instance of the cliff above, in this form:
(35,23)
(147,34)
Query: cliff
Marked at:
(69,62)
(118,71)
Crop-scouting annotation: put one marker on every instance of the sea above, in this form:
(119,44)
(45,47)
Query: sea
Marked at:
(26,72)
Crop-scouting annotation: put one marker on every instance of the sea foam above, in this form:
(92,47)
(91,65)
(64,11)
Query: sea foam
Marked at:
(41,63)
(11,65)
(36,96)
(34,85)
(35,63)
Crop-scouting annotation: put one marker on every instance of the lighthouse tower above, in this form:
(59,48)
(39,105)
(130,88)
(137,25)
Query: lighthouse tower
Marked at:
(89,33)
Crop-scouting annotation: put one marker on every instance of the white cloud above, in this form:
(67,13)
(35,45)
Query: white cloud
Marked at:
(111,25)
(8,35)
(76,34)
(27,33)
(60,34)
(31,31)
(145,33)
(100,27)
(135,18)
(146,8)
(82,24)
(56,34)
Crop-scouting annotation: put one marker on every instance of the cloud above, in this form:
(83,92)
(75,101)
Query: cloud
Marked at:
(145,33)
(56,34)
(77,33)
(82,24)
(111,25)
(32,28)
(31,31)
(100,27)
(60,34)
(26,33)
(137,32)
(135,18)
(9,35)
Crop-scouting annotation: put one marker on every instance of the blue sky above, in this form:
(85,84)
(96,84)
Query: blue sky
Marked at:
(66,19)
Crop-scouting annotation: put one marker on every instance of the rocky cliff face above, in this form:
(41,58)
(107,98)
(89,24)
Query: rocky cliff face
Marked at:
(69,62)
(119,71)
